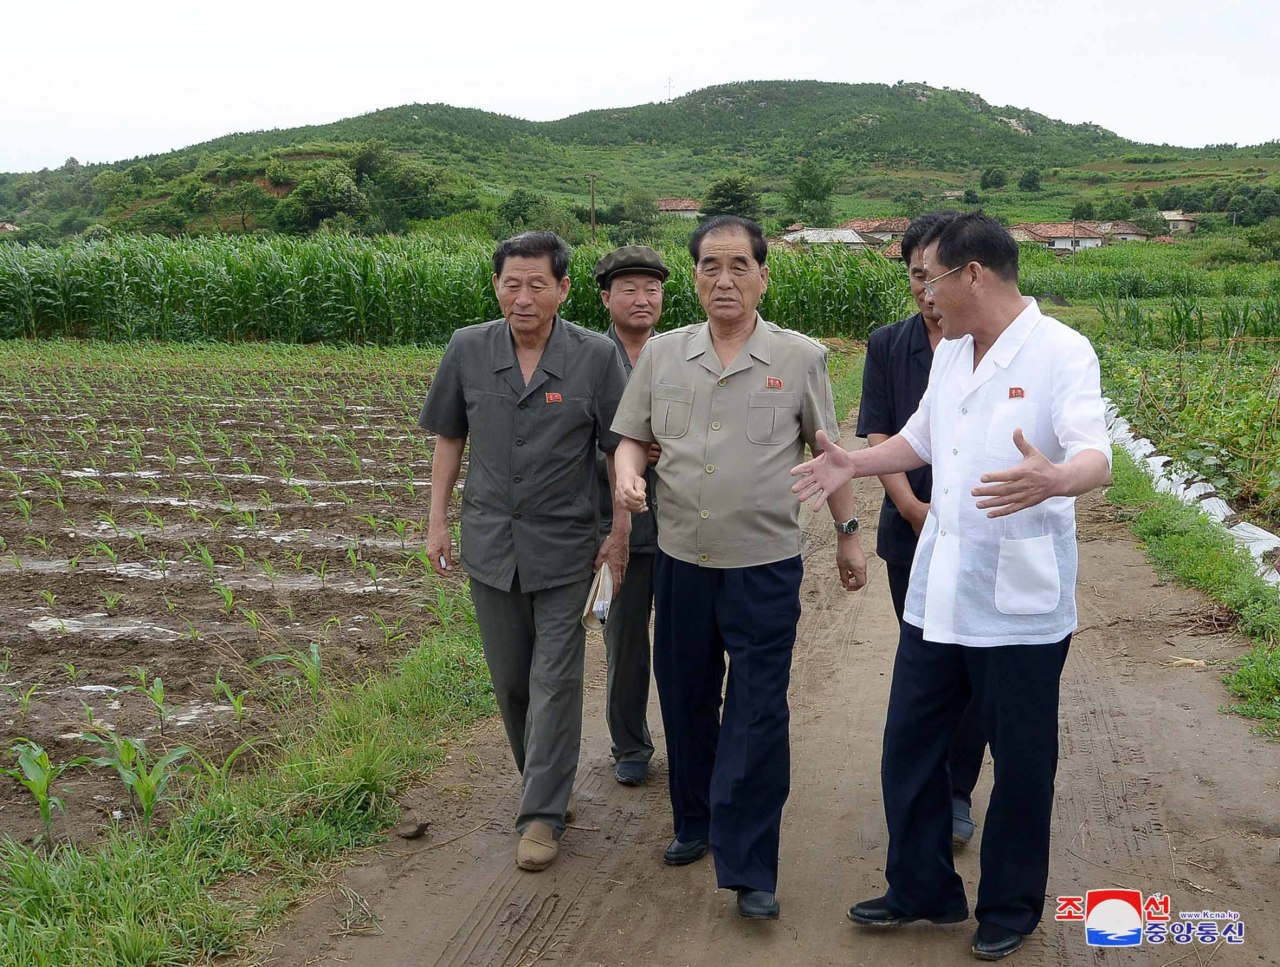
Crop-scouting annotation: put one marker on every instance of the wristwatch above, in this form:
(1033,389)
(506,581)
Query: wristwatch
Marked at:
(850,526)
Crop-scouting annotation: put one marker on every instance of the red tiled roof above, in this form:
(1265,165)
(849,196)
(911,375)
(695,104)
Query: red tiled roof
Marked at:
(1117,227)
(1021,233)
(896,225)
(1061,229)
(676,204)
(894,251)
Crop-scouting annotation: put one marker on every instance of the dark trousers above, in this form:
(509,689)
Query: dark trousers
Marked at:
(970,742)
(729,775)
(626,643)
(1016,688)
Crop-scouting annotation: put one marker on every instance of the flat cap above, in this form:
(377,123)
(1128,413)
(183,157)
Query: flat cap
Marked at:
(630,258)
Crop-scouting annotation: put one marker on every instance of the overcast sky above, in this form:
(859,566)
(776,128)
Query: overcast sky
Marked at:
(106,81)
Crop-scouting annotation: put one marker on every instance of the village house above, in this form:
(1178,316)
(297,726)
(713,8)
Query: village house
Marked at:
(1119,231)
(1177,221)
(884,229)
(8,227)
(684,207)
(1064,236)
(832,236)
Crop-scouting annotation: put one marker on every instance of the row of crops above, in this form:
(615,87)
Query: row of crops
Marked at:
(386,291)
(405,290)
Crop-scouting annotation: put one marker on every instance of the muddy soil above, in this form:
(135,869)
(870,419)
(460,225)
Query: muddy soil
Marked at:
(186,522)
(1157,791)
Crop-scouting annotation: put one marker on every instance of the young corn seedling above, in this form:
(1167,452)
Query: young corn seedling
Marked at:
(101,549)
(38,774)
(307,663)
(220,773)
(155,692)
(391,632)
(48,597)
(24,699)
(146,780)
(237,699)
(401,527)
(24,507)
(111,599)
(228,597)
(69,669)
(269,570)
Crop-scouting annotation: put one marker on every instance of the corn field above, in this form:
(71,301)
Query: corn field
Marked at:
(385,291)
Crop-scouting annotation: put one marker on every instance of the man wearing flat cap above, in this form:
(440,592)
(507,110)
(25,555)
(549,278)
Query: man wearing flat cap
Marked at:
(631,281)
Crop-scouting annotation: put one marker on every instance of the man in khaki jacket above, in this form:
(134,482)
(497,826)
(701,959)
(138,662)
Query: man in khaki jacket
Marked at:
(733,402)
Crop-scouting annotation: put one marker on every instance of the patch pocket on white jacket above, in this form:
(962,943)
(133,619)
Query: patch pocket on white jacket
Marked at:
(1027,579)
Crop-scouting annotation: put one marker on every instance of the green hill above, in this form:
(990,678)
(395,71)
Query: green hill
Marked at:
(881,142)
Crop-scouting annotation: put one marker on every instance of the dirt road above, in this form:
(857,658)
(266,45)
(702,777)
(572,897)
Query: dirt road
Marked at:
(1157,791)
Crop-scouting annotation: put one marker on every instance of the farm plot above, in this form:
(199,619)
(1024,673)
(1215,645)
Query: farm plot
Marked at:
(1216,411)
(196,541)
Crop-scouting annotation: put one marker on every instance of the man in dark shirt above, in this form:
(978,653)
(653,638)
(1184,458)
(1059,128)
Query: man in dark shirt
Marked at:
(894,378)
(631,280)
(536,395)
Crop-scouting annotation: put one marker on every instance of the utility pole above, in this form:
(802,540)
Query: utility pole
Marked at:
(668,90)
(591,177)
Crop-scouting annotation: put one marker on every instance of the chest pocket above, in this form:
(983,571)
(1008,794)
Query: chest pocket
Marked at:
(1007,416)
(772,418)
(672,410)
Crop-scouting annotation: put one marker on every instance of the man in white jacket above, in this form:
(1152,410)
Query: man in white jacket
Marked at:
(1013,425)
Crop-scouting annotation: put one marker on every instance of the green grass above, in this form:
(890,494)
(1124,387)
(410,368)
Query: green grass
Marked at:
(845,367)
(1188,546)
(233,857)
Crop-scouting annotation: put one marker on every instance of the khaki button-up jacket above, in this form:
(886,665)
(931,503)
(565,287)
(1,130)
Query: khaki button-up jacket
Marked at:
(729,439)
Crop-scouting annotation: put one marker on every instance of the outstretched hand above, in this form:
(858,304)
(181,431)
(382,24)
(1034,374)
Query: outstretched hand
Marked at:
(1024,485)
(824,474)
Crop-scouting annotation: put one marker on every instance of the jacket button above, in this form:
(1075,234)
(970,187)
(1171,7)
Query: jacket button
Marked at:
(705,514)
(710,469)
(704,557)
(518,479)
(723,382)
(517,515)
(715,425)
(519,441)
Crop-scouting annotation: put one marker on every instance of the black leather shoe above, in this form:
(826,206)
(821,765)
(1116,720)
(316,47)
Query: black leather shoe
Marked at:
(682,854)
(878,913)
(993,942)
(758,905)
(962,824)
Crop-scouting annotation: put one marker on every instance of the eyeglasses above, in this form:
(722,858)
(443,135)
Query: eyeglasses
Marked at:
(928,283)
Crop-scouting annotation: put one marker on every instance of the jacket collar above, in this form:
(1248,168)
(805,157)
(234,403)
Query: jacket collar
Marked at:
(758,346)
(551,364)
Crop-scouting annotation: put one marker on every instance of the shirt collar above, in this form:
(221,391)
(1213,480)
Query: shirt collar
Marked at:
(612,333)
(552,361)
(918,337)
(1015,335)
(758,346)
